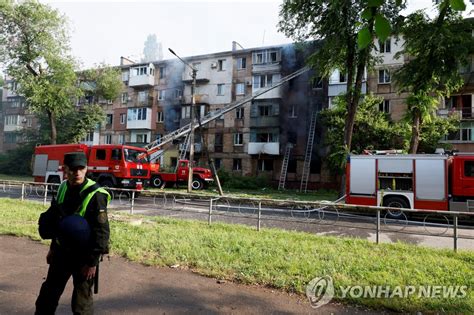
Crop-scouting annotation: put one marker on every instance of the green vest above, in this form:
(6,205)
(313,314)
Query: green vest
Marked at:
(85,202)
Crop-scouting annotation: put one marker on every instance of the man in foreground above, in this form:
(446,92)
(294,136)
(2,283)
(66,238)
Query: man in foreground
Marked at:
(78,226)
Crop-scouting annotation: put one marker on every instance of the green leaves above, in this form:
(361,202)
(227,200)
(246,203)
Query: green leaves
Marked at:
(363,38)
(382,27)
(457,5)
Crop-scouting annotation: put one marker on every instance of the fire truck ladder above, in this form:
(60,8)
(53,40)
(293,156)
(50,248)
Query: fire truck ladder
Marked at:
(284,167)
(184,147)
(178,133)
(308,153)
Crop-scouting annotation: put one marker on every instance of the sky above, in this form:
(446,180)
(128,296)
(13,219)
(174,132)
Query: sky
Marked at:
(103,31)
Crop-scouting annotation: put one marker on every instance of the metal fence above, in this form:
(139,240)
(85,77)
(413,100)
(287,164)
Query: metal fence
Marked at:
(328,218)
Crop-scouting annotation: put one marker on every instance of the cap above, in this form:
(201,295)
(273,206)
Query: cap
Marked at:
(75,159)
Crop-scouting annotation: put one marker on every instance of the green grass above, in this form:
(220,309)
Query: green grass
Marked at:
(265,193)
(281,259)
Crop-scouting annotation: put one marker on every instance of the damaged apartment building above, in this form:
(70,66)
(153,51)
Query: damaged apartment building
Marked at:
(251,140)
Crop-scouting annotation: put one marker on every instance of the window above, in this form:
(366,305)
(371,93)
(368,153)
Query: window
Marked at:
(220,89)
(11,120)
(265,137)
(90,137)
(121,139)
(469,168)
(137,114)
(160,117)
(384,76)
(142,96)
(273,56)
(178,94)
(384,47)
(241,63)
(265,165)
(124,98)
(158,137)
(161,95)
(240,89)
(385,106)
(100,154)
(218,163)
(292,111)
(221,64)
(185,112)
(116,154)
(259,58)
(142,138)
(239,113)
(238,139)
(125,76)
(10,137)
(264,110)
(162,72)
(260,81)
(109,119)
(237,164)
(218,142)
(197,65)
(342,77)
(108,139)
(317,83)
(123,118)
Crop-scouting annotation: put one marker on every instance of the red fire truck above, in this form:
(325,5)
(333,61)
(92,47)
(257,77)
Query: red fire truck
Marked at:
(201,176)
(415,181)
(109,165)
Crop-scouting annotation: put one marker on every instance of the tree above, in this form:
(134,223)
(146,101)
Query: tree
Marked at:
(346,29)
(153,50)
(372,130)
(437,49)
(34,47)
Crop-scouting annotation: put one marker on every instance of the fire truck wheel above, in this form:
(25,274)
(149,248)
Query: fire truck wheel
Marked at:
(197,184)
(395,202)
(156,181)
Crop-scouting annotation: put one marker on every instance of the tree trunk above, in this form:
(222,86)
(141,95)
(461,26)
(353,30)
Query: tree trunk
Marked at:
(415,132)
(52,123)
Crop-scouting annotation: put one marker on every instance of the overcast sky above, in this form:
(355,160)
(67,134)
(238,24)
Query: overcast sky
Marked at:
(102,31)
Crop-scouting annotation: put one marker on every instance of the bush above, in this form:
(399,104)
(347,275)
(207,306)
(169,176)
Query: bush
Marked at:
(229,180)
(17,161)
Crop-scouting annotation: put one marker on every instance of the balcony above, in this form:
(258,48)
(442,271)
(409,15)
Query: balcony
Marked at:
(265,121)
(445,113)
(272,148)
(202,75)
(274,93)
(141,80)
(139,118)
(266,67)
(336,88)
(200,98)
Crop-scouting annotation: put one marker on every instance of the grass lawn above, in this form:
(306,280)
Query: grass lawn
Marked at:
(281,259)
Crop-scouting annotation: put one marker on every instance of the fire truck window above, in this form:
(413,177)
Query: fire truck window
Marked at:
(100,154)
(116,154)
(469,168)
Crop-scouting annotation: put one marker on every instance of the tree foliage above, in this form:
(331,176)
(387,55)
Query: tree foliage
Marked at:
(372,130)
(437,49)
(346,29)
(34,48)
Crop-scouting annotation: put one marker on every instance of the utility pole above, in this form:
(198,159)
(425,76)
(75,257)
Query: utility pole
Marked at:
(191,134)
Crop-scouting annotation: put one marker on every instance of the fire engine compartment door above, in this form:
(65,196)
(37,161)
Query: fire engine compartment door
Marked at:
(362,176)
(39,168)
(430,179)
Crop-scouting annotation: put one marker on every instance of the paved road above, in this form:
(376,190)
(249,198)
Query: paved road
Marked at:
(130,288)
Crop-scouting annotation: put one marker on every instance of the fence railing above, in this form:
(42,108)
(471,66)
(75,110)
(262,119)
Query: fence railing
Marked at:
(315,216)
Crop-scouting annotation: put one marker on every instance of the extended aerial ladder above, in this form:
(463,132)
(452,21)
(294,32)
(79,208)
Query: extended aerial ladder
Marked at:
(308,152)
(156,146)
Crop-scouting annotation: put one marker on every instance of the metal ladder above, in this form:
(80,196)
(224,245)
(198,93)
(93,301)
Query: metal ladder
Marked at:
(284,166)
(183,151)
(308,153)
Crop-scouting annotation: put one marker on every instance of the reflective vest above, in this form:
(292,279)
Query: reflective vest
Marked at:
(85,202)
